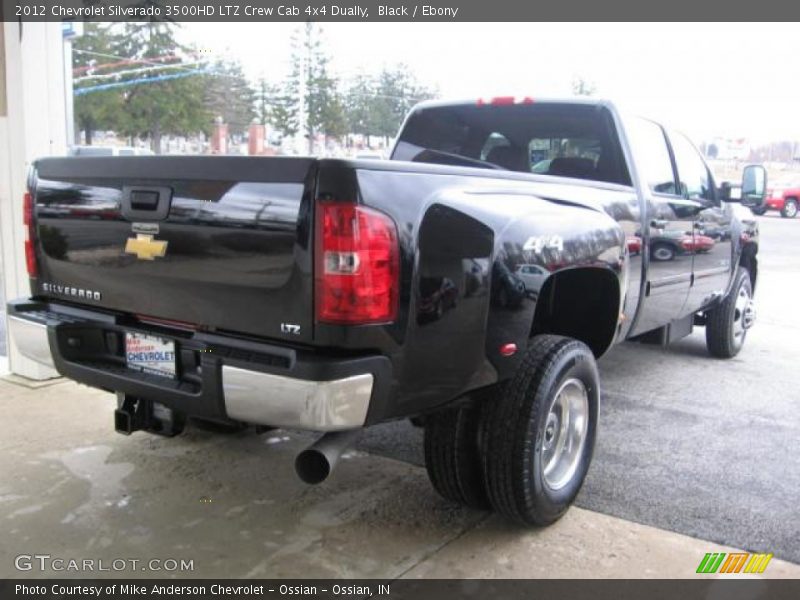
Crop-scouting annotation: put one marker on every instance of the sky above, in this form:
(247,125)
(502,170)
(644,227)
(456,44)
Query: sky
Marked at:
(711,79)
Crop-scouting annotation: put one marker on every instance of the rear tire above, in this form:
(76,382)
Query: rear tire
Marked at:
(539,432)
(452,458)
(789,210)
(759,212)
(726,324)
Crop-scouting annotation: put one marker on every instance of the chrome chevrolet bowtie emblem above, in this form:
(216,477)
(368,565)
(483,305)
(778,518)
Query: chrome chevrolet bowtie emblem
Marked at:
(145,247)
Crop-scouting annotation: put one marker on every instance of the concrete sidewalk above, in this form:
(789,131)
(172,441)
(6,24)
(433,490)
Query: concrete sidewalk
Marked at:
(74,489)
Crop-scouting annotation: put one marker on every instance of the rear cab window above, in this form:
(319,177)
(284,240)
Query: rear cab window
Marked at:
(557,138)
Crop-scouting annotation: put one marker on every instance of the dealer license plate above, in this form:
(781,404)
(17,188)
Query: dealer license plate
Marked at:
(150,354)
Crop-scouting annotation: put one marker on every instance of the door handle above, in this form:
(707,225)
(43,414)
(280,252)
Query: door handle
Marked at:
(146,203)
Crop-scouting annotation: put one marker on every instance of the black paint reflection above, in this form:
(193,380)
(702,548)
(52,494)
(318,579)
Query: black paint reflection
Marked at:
(64,200)
(451,301)
(219,204)
(508,290)
(231,250)
(437,295)
(271,206)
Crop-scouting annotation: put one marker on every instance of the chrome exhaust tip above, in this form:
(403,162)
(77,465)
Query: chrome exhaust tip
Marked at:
(314,464)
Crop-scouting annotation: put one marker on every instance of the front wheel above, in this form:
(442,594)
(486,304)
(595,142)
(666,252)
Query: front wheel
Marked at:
(759,212)
(727,323)
(789,208)
(538,434)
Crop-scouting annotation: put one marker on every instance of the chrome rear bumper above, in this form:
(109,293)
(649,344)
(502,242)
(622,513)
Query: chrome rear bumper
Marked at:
(315,395)
(31,340)
(279,401)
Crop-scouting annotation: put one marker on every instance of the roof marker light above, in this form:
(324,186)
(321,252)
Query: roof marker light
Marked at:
(505,101)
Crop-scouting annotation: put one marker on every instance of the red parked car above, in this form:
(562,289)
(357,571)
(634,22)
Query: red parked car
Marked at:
(666,245)
(634,244)
(697,243)
(785,198)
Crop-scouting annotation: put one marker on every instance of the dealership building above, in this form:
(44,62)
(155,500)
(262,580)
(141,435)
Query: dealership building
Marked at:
(33,123)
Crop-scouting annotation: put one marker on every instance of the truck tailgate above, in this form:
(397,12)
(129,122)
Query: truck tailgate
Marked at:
(222,243)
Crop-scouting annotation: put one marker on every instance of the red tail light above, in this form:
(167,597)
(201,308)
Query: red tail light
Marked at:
(30,232)
(502,100)
(30,259)
(357,265)
(27,209)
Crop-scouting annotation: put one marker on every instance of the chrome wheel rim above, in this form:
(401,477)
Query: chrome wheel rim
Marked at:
(744,315)
(791,209)
(565,433)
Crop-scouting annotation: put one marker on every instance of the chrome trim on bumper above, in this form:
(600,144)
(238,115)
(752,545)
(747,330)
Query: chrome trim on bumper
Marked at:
(268,399)
(31,340)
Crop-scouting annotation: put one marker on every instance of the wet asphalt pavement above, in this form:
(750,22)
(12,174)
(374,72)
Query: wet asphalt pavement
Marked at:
(704,447)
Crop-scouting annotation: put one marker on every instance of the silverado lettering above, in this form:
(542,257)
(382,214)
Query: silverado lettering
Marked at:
(65,290)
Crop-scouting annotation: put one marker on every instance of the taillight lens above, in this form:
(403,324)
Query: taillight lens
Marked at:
(357,265)
(30,232)
(27,209)
(30,259)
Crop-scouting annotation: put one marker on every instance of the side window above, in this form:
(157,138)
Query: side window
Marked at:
(693,174)
(652,155)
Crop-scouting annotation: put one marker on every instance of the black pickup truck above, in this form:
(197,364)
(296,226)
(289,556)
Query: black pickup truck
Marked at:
(469,284)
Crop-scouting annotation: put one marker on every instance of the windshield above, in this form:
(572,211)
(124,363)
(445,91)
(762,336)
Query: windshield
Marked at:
(567,140)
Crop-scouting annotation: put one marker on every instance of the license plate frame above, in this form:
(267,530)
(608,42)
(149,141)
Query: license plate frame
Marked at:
(150,354)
